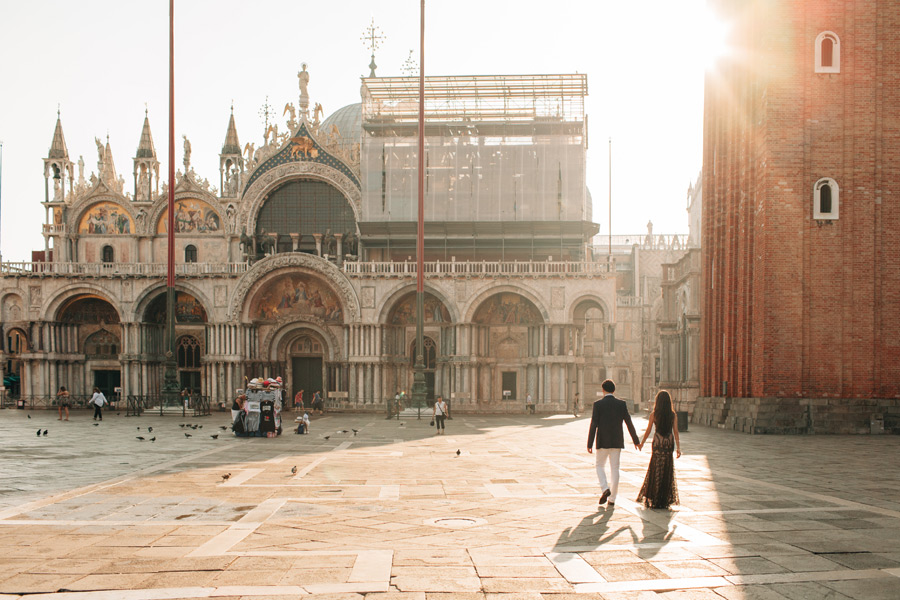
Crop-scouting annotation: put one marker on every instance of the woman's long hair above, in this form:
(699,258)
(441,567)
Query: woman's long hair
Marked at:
(663,413)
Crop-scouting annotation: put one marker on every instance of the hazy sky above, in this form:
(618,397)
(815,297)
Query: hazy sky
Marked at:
(102,60)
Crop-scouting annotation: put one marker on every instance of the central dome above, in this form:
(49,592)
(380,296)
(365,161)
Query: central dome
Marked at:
(348,121)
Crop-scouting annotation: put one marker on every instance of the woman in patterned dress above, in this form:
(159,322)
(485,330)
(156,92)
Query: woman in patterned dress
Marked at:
(659,489)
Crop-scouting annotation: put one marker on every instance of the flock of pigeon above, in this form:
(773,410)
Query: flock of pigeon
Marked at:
(140,438)
(215,436)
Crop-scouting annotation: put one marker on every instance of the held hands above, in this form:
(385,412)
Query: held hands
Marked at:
(640,447)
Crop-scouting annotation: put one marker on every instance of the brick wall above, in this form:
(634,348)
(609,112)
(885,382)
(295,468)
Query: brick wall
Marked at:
(795,307)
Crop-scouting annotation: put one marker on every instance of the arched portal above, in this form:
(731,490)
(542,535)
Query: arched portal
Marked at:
(507,333)
(400,342)
(598,340)
(308,369)
(16,344)
(429,361)
(98,335)
(190,334)
(299,317)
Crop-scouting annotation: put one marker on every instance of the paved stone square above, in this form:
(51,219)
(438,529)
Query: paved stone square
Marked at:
(392,512)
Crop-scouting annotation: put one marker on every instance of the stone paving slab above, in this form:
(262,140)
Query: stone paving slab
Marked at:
(394,513)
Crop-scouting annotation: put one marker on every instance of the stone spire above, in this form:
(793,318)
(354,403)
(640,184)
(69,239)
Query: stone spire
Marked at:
(58,168)
(145,146)
(146,166)
(109,171)
(231,145)
(58,145)
(231,163)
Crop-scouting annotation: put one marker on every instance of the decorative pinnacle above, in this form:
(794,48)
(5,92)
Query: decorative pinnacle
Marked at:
(265,111)
(372,39)
(410,67)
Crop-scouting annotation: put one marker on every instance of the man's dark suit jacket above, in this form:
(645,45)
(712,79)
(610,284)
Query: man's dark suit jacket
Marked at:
(606,423)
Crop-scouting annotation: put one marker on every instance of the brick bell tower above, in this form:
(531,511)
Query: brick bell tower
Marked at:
(801,218)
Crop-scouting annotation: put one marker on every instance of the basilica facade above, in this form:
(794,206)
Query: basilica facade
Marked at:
(298,260)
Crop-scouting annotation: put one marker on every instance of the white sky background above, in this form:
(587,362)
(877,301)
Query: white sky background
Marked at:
(101,60)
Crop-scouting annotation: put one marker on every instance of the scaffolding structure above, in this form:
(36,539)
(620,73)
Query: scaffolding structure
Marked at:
(476,98)
(499,148)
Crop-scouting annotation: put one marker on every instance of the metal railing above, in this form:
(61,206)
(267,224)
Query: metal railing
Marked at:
(167,404)
(478,269)
(94,269)
(42,402)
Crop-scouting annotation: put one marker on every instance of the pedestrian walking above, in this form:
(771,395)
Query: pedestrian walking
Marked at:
(318,403)
(576,404)
(608,415)
(298,400)
(659,489)
(438,414)
(62,398)
(529,403)
(98,400)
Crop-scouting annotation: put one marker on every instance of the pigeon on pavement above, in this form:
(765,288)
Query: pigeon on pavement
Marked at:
(39,432)
(457,452)
(139,437)
(45,432)
(215,437)
(294,470)
(226,476)
(187,435)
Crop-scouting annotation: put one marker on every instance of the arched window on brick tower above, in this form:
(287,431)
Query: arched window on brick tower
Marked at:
(826,199)
(828,53)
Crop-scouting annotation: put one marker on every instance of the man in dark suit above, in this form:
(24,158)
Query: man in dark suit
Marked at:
(606,425)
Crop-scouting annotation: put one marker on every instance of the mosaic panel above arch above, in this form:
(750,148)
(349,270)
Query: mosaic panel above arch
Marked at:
(507,308)
(106,218)
(191,216)
(187,309)
(88,310)
(404,312)
(296,294)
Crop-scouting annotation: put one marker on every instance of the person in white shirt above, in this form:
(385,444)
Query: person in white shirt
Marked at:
(98,400)
(438,413)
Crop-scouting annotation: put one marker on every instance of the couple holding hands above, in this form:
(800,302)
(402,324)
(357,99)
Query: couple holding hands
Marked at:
(608,416)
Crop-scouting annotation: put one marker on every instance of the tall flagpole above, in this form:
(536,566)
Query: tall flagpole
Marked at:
(418,391)
(609,250)
(170,383)
(1,190)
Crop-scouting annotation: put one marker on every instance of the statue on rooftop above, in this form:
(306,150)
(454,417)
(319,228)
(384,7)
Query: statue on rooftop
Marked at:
(187,153)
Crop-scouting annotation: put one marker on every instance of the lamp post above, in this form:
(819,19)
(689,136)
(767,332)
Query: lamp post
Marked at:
(418,390)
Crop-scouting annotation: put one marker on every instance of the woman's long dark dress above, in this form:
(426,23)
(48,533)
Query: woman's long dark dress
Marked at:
(659,489)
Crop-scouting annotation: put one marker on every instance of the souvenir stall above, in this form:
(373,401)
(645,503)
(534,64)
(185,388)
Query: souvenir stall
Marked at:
(260,412)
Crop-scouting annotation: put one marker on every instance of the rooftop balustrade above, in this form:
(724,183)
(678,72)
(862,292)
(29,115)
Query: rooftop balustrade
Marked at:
(481,269)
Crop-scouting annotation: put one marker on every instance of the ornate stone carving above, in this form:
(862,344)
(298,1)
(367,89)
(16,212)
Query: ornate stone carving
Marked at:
(557,297)
(220,295)
(324,269)
(34,293)
(368,296)
(283,326)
